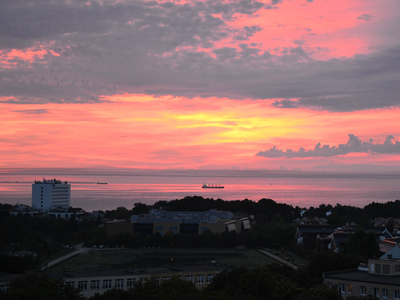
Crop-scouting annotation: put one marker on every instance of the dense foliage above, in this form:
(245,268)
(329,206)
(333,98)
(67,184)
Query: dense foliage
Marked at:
(342,214)
(34,286)
(265,210)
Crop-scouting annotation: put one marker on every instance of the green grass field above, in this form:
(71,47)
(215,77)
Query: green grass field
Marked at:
(132,258)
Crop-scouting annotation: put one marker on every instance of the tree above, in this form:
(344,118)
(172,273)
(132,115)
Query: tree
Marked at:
(34,286)
(321,292)
(362,244)
(327,262)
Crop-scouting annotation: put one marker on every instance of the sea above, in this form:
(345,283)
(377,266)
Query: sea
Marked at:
(125,187)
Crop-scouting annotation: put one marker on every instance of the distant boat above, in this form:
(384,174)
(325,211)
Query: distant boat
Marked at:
(102,182)
(212,186)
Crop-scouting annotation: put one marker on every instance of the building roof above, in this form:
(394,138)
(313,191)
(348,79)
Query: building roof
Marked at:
(50,181)
(392,254)
(363,276)
(168,270)
(148,272)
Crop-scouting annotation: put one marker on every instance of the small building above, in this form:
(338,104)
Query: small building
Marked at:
(308,234)
(24,210)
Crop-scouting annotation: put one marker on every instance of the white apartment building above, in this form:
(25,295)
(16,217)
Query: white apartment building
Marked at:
(51,194)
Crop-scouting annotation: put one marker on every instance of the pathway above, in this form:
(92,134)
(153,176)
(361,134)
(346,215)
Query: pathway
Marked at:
(277,258)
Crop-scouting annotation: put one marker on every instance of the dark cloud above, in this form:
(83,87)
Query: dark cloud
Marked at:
(247,32)
(94,49)
(353,145)
(33,111)
(225,53)
(365,17)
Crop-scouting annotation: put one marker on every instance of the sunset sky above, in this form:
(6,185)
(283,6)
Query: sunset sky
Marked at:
(300,84)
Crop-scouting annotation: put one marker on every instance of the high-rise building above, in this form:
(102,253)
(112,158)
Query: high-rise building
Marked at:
(51,194)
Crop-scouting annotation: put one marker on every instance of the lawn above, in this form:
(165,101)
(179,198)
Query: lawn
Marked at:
(133,258)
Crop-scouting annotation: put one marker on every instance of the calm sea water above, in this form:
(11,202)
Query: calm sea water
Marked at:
(296,188)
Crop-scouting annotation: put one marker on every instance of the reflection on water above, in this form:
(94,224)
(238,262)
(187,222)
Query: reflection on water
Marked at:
(126,190)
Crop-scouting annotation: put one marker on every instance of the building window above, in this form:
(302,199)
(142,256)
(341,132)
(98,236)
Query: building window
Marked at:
(82,285)
(189,278)
(107,284)
(130,282)
(95,285)
(378,268)
(70,283)
(200,279)
(350,288)
(396,294)
(386,269)
(210,278)
(363,290)
(376,292)
(166,278)
(119,283)
(385,293)
(341,288)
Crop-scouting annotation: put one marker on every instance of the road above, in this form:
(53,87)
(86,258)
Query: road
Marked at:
(78,250)
(277,258)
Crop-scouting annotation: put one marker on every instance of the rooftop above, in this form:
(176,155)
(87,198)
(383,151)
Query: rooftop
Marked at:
(50,181)
(170,270)
(362,276)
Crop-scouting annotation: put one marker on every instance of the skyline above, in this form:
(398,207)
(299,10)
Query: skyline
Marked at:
(308,84)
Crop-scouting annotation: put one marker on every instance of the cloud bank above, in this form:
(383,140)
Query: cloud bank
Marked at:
(353,145)
(79,51)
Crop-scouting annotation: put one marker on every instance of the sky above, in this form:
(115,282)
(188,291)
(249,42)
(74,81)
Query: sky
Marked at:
(276,84)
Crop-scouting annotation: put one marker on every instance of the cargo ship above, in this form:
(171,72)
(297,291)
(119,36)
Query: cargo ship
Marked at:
(102,182)
(212,186)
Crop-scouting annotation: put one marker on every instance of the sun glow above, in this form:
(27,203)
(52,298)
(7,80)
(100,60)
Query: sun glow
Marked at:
(118,133)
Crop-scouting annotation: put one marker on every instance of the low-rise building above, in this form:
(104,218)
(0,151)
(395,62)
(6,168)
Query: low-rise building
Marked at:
(90,283)
(380,278)
(180,222)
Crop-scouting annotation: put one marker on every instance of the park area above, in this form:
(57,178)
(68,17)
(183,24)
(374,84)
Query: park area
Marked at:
(137,258)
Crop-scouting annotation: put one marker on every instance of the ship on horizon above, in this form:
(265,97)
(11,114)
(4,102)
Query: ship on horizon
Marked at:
(102,182)
(212,186)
